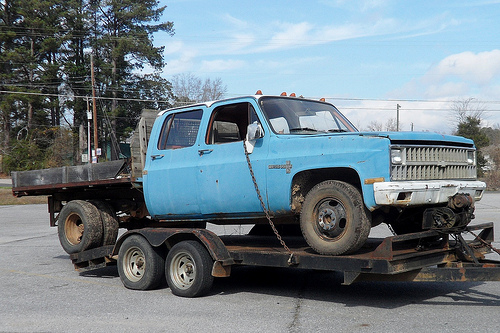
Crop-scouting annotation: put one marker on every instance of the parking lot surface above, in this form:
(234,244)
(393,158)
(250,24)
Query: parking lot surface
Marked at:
(41,292)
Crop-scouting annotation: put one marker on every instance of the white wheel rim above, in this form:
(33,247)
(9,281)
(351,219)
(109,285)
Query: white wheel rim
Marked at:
(134,264)
(182,270)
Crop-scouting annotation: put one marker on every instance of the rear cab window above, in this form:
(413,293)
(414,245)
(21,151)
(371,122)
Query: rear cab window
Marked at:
(180,130)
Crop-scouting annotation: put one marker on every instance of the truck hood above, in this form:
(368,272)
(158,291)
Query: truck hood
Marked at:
(407,137)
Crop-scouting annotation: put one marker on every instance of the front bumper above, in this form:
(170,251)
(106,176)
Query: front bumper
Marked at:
(414,193)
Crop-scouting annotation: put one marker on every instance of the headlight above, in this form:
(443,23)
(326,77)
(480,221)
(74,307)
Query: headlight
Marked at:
(471,157)
(396,156)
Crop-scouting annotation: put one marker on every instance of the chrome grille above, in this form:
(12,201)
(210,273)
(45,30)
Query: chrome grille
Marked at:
(428,163)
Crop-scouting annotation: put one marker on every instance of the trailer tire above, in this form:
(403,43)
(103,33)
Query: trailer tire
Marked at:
(189,269)
(110,224)
(79,226)
(140,266)
(334,220)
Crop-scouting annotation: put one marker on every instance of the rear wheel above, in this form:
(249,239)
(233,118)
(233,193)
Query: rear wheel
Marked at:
(189,269)
(110,224)
(140,266)
(79,226)
(334,219)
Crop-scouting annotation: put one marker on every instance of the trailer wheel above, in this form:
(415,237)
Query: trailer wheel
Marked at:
(140,266)
(79,226)
(334,219)
(109,222)
(189,269)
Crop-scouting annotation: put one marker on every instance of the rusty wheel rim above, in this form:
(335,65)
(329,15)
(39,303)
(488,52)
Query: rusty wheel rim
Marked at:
(73,229)
(330,219)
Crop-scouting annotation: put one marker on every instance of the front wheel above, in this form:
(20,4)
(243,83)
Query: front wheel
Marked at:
(334,219)
(140,266)
(189,269)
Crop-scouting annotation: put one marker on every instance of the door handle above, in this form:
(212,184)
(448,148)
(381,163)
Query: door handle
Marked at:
(157,157)
(205,151)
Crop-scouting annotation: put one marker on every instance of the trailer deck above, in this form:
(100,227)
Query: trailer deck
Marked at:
(423,256)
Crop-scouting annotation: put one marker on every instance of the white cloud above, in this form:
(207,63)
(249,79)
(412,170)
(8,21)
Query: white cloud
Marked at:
(220,65)
(479,68)
(460,75)
(183,63)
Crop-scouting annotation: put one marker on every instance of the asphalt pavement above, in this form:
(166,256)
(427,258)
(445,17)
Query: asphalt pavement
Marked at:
(41,292)
(5,182)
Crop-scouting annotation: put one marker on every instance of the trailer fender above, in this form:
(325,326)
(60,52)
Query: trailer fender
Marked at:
(171,236)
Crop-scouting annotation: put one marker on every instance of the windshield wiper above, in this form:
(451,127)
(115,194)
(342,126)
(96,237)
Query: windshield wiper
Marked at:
(337,130)
(299,129)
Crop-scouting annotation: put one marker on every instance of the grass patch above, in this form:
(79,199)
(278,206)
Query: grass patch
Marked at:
(6,198)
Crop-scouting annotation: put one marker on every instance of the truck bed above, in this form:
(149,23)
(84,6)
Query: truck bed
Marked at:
(70,178)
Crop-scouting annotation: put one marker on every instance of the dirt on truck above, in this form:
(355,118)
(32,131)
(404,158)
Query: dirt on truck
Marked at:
(298,170)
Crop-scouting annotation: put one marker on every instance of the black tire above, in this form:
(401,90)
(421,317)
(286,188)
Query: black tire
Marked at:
(334,219)
(109,222)
(140,266)
(189,269)
(79,226)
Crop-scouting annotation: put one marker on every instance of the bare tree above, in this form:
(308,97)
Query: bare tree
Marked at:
(468,108)
(188,88)
(213,89)
(376,126)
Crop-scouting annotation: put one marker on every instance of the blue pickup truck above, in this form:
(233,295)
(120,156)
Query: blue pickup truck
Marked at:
(312,167)
(295,164)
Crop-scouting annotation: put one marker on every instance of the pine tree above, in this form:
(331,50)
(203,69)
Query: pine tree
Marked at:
(123,44)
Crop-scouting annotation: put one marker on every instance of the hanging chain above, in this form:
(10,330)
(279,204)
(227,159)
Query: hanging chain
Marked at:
(264,208)
(484,242)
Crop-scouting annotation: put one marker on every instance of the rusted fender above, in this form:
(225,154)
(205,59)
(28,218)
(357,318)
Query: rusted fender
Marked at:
(170,236)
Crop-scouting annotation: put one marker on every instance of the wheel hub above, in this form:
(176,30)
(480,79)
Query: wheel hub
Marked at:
(327,219)
(331,218)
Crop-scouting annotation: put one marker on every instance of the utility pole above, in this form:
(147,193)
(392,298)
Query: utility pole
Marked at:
(89,120)
(94,107)
(397,117)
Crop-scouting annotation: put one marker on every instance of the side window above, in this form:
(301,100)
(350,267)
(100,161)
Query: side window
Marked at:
(180,130)
(229,123)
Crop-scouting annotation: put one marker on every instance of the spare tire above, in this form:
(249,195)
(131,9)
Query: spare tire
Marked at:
(79,226)
(109,222)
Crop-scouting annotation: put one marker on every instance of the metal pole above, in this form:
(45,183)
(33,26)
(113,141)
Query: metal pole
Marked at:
(89,118)
(94,107)
(397,117)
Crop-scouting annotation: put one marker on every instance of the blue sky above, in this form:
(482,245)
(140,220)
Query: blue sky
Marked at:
(364,56)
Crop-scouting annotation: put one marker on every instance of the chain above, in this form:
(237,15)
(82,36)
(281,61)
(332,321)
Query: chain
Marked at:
(484,242)
(264,208)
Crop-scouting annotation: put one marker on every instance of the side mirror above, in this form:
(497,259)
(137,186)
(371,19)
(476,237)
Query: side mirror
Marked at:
(254,132)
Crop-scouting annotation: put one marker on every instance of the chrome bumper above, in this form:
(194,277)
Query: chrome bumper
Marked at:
(412,193)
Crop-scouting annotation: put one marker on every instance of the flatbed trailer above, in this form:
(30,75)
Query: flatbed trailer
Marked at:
(424,256)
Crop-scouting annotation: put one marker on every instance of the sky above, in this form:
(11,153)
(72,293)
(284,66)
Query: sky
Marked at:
(364,56)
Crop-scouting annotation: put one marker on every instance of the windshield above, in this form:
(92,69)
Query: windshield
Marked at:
(299,116)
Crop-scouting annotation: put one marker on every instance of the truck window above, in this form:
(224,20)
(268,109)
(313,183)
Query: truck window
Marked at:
(180,130)
(229,123)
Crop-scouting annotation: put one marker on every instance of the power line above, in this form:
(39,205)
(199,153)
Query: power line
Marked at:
(388,108)
(83,97)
